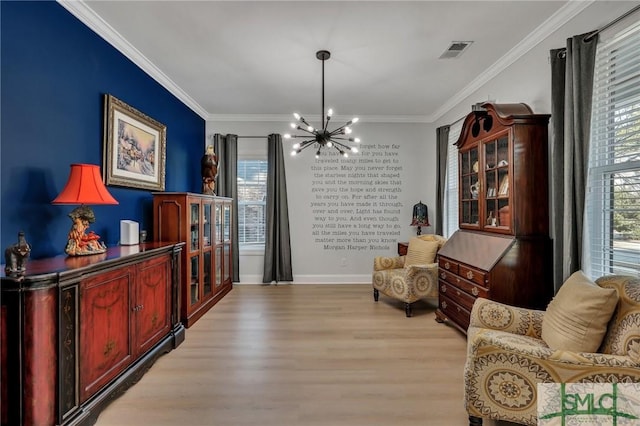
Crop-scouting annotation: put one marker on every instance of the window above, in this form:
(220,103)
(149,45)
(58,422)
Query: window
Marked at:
(252,196)
(612,209)
(450,223)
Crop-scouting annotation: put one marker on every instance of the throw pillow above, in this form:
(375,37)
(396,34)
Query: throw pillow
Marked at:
(576,319)
(420,252)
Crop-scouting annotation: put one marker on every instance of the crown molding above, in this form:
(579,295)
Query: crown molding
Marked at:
(91,19)
(85,14)
(336,118)
(544,30)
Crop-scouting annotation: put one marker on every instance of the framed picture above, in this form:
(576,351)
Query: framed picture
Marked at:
(134,152)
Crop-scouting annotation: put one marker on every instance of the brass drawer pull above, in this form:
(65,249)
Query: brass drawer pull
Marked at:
(443,288)
(443,275)
(447,265)
(475,291)
(444,305)
(458,293)
(469,274)
(457,280)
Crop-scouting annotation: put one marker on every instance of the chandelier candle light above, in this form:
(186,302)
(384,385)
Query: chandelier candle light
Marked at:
(320,138)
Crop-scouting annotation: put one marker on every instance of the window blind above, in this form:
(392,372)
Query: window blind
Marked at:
(252,192)
(612,204)
(450,223)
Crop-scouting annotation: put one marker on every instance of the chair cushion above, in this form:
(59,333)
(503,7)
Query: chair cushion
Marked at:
(577,317)
(420,252)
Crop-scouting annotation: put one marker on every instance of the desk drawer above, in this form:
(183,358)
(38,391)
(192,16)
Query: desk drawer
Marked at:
(466,285)
(462,298)
(455,312)
(448,264)
(472,274)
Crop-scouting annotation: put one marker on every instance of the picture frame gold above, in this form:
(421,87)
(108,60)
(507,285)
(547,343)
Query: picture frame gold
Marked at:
(134,148)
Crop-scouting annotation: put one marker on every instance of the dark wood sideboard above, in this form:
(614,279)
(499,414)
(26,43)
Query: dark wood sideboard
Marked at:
(76,332)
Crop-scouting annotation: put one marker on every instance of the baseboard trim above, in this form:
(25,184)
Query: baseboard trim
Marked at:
(311,279)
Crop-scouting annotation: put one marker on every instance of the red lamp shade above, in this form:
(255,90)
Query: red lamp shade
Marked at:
(84,187)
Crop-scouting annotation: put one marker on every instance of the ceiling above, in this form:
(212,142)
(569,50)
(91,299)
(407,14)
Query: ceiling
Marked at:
(239,59)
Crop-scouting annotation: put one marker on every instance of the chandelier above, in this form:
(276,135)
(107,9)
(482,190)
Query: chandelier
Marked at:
(321,137)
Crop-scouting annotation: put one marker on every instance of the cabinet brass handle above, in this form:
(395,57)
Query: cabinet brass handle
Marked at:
(443,275)
(458,292)
(443,288)
(444,305)
(469,274)
(447,265)
(475,291)
(458,280)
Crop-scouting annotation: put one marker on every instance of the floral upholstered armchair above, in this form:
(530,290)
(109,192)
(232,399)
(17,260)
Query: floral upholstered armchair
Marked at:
(410,277)
(510,350)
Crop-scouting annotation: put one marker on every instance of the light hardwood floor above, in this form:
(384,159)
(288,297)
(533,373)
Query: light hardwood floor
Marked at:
(304,355)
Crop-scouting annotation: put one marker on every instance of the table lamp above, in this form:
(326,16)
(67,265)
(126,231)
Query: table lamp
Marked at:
(84,187)
(420,216)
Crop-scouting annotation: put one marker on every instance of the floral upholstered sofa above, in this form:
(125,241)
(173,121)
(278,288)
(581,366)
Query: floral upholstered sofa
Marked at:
(508,353)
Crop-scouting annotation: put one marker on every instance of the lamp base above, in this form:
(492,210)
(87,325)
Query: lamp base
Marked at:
(73,248)
(79,243)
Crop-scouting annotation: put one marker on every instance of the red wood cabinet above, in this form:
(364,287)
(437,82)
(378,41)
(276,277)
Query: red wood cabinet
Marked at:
(78,331)
(105,350)
(203,222)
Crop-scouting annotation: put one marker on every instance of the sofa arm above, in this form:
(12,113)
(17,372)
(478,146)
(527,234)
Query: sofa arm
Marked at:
(413,270)
(381,263)
(498,316)
(487,340)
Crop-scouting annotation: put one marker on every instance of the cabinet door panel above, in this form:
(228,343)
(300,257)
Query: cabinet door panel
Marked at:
(105,337)
(153,302)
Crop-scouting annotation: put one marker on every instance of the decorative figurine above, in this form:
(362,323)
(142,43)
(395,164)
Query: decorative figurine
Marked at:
(16,255)
(209,171)
(79,243)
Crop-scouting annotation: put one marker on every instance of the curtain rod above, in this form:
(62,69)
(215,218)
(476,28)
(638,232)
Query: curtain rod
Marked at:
(612,23)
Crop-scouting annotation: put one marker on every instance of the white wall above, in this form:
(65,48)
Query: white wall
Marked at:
(312,262)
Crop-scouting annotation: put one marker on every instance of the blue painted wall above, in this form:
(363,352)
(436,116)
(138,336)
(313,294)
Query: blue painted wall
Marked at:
(55,72)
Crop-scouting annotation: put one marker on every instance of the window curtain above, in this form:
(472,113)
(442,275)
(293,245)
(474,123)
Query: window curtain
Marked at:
(226,148)
(442,140)
(277,250)
(572,70)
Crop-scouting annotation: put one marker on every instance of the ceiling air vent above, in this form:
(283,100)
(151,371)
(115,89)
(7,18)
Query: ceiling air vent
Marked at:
(455,49)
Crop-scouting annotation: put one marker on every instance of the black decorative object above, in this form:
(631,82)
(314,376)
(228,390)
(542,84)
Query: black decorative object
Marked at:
(321,137)
(16,255)
(480,114)
(420,216)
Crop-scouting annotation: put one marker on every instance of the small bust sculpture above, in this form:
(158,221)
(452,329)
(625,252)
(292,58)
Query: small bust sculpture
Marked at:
(16,256)
(209,171)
